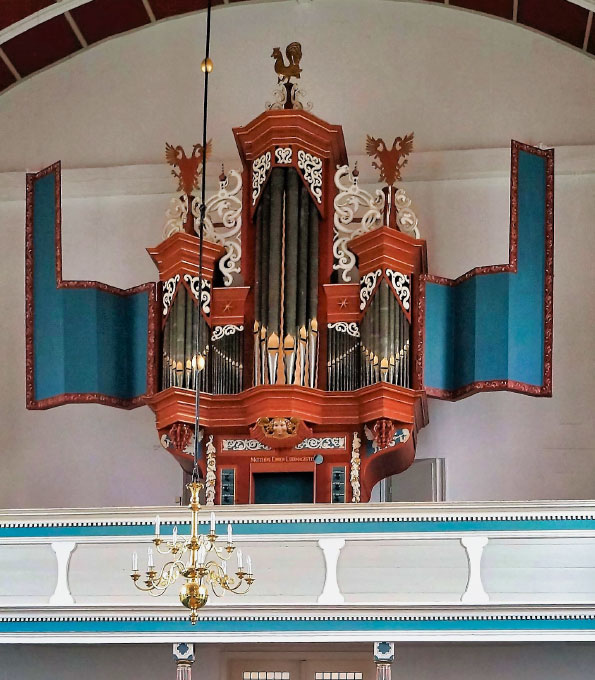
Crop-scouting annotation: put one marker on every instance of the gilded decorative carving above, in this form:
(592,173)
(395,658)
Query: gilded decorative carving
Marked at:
(278,427)
(211,476)
(355,466)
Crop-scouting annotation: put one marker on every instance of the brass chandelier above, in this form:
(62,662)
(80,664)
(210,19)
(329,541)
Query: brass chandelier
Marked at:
(196,558)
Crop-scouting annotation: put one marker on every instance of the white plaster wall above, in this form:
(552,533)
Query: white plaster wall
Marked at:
(461,81)
(551,661)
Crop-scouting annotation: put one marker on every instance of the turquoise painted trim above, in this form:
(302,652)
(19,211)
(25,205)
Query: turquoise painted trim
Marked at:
(324,528)
(278,626)
(492,326)
(85,340)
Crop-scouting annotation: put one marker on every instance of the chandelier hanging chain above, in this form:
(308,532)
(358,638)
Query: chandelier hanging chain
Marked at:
(203,189)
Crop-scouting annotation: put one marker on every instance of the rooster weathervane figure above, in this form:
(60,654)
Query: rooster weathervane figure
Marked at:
(293,52)
(390,161)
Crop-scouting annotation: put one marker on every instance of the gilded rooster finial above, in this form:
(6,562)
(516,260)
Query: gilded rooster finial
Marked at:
(186,169)
(293,52)
(390,161)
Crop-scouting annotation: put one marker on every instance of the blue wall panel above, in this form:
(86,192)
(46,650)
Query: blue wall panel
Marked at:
(86,341)
(491,326)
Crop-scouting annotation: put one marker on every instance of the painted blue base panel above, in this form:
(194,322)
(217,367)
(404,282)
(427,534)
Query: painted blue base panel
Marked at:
(85,340)
(280,626)
(293,528)
(492,326)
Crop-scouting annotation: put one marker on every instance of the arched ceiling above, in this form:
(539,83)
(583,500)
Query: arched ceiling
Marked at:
(37,33)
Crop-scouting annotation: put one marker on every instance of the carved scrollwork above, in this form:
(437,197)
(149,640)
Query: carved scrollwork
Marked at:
(406,218)
(352,203)
(244,445)
(322,443)
(176,215)
(205,297)
(169,290)
(401,284)
(351,329)
(311,166)
(283,155)
(260,168)
(223,222)
(297,96)
(367,285)
(223,331)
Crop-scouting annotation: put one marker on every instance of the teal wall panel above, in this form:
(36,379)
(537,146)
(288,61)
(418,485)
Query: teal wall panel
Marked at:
(90,342)
(490,326)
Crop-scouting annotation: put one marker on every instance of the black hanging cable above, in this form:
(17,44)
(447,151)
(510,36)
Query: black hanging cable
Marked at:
(206,69)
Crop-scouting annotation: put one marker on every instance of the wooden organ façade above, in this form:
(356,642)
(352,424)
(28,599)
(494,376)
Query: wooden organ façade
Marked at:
(311,388)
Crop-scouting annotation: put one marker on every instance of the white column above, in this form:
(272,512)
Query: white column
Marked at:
(63,551)
(331,548)
(474,593)
(184,657)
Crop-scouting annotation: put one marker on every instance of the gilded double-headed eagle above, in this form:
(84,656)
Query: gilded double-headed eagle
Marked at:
(293,52)
(186,169)
(390,161)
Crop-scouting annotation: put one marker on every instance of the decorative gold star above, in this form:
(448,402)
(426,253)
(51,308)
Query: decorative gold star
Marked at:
(343,303)
(227,307)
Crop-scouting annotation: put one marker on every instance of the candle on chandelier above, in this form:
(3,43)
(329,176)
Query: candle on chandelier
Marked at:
(174,534)
(157,526)
(240,561)
(201,554)
(224,567)
(134,562)
(248,565)
(150,562)
(213,523)
(229,537)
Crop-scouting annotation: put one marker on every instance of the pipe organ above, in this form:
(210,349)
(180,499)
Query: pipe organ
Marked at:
(301,339)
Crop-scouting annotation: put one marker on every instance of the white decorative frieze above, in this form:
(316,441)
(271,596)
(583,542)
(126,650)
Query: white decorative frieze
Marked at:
(401,284)
(225,331)
(351,329)
(243,445)
(311,166)
(322,443)
(367,285)
(205,297)
(169,290)
(283,155)
(260,169)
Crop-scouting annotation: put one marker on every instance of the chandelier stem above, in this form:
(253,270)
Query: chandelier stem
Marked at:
(203,189)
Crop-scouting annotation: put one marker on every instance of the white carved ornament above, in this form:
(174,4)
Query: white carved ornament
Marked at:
(354,471)
(406,218)
(352,203)
(176,215)
(311,166)
(260,168)
(322,443)
(224,331)
(283,155)
(351,329)
(367,285)
(169,289)
(211,476)
(280,99)
(402,287)
(223,222)
(205,298)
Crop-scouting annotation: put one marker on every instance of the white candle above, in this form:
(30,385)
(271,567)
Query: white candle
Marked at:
(229,541)
(174,534)
(157,525)
(134,562)
(201,554)
(240,562)
(212,522)
(224,567)
(150,563)
(248,565)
